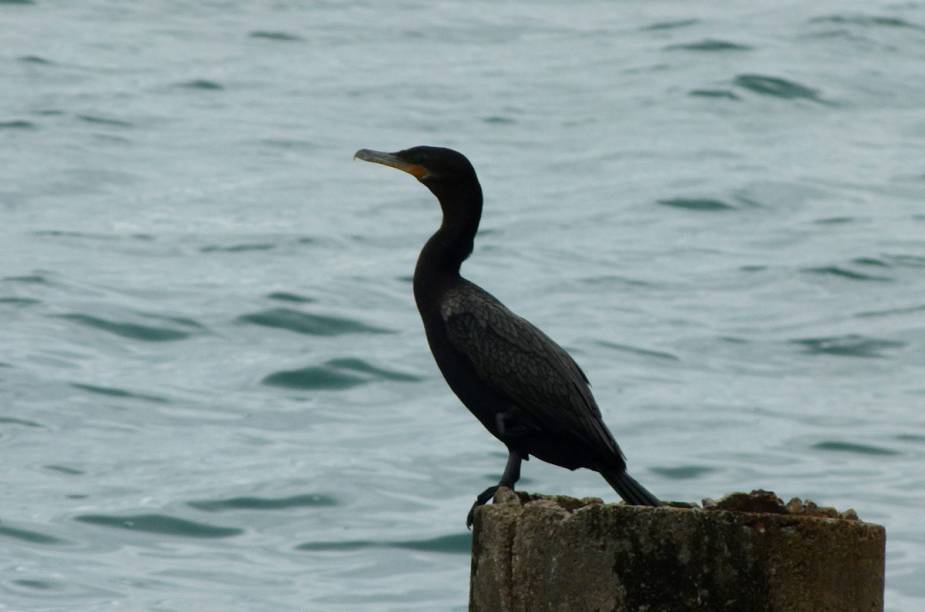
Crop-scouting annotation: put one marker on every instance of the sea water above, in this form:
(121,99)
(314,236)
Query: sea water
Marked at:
(215,392)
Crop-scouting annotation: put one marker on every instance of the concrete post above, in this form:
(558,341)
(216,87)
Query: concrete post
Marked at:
(746,553)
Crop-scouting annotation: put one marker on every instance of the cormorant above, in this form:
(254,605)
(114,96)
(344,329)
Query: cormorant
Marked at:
(523,387)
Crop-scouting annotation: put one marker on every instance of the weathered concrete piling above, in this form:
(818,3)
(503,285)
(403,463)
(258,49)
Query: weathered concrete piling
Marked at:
(746,553)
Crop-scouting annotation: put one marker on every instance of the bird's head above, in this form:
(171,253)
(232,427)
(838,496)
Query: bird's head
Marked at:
(444,171)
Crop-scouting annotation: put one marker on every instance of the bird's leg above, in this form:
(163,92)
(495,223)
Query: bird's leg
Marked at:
(508,479)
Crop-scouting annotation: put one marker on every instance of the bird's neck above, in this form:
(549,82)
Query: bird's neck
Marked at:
(442,256)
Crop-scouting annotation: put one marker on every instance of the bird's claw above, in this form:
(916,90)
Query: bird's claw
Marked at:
(483,498)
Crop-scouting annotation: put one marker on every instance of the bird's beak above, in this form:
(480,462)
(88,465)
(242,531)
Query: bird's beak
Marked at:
(391,159)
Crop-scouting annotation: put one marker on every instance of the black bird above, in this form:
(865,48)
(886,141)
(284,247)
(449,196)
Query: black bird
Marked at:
(523,387)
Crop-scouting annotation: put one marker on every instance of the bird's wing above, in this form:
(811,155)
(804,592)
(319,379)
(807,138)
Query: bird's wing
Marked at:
(517,359)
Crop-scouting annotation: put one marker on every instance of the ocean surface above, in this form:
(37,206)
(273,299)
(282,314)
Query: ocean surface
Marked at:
(215,392)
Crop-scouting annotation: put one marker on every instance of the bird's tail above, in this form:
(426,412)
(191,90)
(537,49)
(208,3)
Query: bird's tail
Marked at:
(631,491)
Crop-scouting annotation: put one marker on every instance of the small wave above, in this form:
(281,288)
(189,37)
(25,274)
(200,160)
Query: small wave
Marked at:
(32,279)
(867,21)
(777,87)
(68,234)
(17,124)
(670,25)
(284,296)
(905,261)
(851,345)
(626,348)
(310,324)
(160,524)
(358,365)
(723,94)
(309,500)
(63,469)
(314,378)
(34,59)
(460,543)
(683,472)
(184,321)
(834,220)
(27,535)
(451,544)
(237,248)
(116,392)
(21,422)
(275,35)
(134,331)
(22,2)
(853,447)
(335,374)
(699,204)
(39,585)
(709,44)
(891,311)
(202,84)
(96,119)
(845,273)
(498,120)
(18,301)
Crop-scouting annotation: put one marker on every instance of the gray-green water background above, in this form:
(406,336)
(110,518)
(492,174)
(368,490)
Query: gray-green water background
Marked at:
(215,392)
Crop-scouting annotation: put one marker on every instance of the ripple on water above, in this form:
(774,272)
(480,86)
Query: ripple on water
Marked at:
(709,44)
(453,544)
(698,204)
(19,301)
(851,345)
(116,392)
(332,375)
(31,279)
(867,21)
(308,500)
(723,94)
(891,311)
(777,87)
(311,324)
(134,331)
(17,124)
(98,120)
(284,296)
(635,350)
(670,25)
(202,85)
(841,272)
(160,524)
(853,447)
(498,120)
(316,378)
(682,472)
(358,365)
(63,469)
(237,248)
(275,35)
(27,535)
(39,585)
(34,59)
(15,421)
